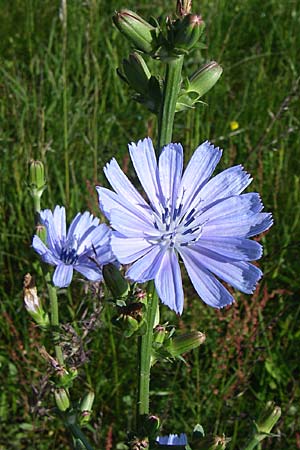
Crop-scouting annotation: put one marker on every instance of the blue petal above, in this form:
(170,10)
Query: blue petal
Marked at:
(109,200)
(168,282)
(198,171)
(53,240)
(147,266)
(89,271)
(128,250)
(239,274)
(44,252)
(233,208)
(260,223)
(132,224)
(210,290)
(230,182)
(62,276)
(59,218)
(231,247)
(82,225)
(245,226)
(144,160)
(93,239)
(170,171)
(121,184)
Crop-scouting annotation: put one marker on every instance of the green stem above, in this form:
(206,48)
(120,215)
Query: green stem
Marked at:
(54,315)
(253,442)
(165,130)
(170,95)
(78,434)
(146,350)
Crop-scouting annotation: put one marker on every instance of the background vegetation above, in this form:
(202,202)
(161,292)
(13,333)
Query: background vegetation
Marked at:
(62,102)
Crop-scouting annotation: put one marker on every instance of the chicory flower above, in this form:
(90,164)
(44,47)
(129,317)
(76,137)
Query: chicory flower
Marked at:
(172,439)
(84,248)
(206,222)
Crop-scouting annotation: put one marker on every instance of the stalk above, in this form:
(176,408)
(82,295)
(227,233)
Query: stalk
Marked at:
(54,318)
(168,106)
(165,130)
(145,350)
(78,434)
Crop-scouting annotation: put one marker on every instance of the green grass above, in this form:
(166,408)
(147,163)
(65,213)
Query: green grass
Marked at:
(62,102)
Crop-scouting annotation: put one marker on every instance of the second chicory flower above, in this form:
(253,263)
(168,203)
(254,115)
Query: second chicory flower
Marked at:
(84,248)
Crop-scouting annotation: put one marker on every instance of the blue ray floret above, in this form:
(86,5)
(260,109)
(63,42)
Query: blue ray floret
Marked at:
(84,248)
(206,222)
(172,439)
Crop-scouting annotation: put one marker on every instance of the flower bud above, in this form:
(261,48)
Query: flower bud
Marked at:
(205,78)
(159,335)
(115,282)
(37,182)
(137,30)
(32,302)
(187,32)
(137,73)
(62,399)
(268,418)
(151,426)
(183,344)
(86,406)
(183,7)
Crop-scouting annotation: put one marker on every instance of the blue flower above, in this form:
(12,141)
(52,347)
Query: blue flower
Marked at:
(206,222)
(85,248)
(172,439)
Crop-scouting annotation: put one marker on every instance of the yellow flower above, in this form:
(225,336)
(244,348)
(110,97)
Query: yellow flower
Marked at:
(234,125)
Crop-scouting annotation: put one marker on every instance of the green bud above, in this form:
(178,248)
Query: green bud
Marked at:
(37,174)
(86,406)
(137,73)
(187,32)
(62,399)
(36,183)
(115,282)
(183,344)
(137,30)
(159,335)
(268,418)
(205,78)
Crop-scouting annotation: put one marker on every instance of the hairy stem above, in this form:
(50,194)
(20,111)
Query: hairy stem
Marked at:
(168,106)
(146,350)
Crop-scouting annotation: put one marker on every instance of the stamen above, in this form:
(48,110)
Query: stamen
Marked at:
(190,214)
(188,222)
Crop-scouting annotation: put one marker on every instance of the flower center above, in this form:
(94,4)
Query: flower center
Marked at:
(69,250)
(177,229)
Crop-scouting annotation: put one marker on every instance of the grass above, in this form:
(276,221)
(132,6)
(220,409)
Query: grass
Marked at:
(62,102)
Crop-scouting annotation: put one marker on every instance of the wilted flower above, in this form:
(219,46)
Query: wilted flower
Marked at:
(172,439)
(205,222)
(85,248)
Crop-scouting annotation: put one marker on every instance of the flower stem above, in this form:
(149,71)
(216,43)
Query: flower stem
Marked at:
(165,130)
(78,434)
(168,106)
(54,315)
(146,350)
(252,443)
